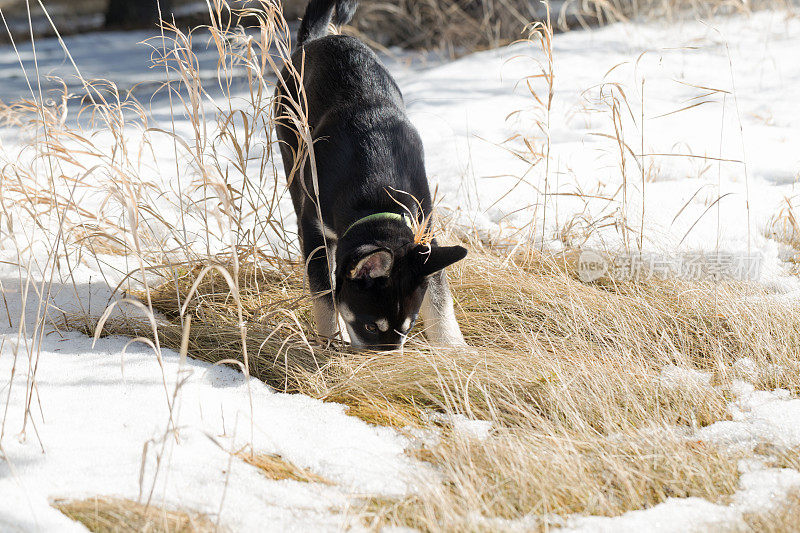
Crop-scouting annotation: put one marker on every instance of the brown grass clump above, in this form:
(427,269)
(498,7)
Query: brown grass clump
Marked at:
(275,358)
(276,467)
(576,353)
(604,394)
(528,476)
(266,292)
(540,298)
(381,412)
(784,228)
(446,24)
(589,356)
(458,26)
(593,390)
(117,515)
(783,518)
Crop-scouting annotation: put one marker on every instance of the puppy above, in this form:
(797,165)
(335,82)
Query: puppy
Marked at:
(357,207)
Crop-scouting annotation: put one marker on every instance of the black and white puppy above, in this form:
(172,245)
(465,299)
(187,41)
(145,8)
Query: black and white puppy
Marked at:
(370,182)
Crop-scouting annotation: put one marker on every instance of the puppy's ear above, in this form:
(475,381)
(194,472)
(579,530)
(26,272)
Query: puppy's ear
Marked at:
(439,258)
(377,264)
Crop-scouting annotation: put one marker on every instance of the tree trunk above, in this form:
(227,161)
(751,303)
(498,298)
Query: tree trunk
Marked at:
(135,13)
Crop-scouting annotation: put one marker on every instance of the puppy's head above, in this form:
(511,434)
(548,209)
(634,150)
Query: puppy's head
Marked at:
(379,290)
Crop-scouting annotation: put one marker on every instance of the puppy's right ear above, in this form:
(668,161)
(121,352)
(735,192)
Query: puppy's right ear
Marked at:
(377,264)
(438,258)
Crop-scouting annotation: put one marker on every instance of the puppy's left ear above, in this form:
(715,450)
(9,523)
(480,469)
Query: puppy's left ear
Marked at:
(439,258)
(377,264)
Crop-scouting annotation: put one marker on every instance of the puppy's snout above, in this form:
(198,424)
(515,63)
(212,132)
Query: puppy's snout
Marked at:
(384,346)
(387,347)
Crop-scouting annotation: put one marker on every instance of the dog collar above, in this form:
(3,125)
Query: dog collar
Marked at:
(380,216)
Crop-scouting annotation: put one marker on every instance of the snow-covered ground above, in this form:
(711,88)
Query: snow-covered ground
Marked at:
(98,415)
(750,121)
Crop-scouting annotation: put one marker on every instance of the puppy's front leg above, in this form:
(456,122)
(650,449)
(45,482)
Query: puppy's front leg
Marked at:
(319,280)
(438,316)
(325,317)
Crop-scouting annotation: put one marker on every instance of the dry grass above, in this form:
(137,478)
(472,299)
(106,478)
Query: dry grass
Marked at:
(381,412)
(534,478)
(785,229)
(593,391)
(453,25)
(589,356)
(276,467)
(457,26)
(782,518)
(116,515)
(535,329)
(571,375)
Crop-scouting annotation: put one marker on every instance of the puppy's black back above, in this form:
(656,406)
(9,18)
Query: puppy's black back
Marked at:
(368,173)
(361,132)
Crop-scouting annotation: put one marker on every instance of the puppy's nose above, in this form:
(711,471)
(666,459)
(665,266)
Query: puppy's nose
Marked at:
(382,347)
(403,338)
(386,346)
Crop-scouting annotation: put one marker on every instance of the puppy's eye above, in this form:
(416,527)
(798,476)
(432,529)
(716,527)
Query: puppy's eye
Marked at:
(372,328)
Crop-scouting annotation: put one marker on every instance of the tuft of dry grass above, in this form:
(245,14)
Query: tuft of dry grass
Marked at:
(458,26)
(275,467)
(782,518)
(592,390)
(451,25)
(381,412)
(586,355)
(784,228)
(118,515)
(522,477)
(533,342)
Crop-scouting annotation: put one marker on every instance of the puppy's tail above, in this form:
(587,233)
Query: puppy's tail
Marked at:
(320,13)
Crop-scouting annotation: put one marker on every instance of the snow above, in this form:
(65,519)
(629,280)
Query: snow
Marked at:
(748,57)
(99,413)
(675,376)
(759,417)
(476,429)
(687,514)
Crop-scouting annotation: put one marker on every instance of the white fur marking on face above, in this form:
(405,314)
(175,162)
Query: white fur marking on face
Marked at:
(355,341)
(346,313)
(382,324)
(327,231)
(343,329)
